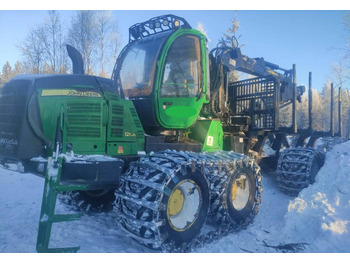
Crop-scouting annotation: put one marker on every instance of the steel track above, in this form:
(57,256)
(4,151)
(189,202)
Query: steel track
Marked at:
(139,199)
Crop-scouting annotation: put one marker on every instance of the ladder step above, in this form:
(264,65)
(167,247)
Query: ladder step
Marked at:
(65,218)
(63,250)
(51,188)
(66,188)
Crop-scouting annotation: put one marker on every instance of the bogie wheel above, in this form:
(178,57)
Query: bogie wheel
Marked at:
(297,169)
(94,201)
(186,207)
(241,194)
(236,193)
(164,200)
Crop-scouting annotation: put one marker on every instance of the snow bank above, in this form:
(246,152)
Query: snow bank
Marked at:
(320,215)
(20,201)
(20,204)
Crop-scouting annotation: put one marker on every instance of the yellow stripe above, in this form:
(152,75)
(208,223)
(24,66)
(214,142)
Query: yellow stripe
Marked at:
(272,72)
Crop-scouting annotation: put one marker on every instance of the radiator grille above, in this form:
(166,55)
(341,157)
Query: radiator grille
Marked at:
(116,132)
(117,121)
(84,120)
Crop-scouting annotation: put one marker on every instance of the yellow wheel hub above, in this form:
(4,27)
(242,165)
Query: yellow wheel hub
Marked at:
(234,191)
(184,205)
(240,192)
(176,202)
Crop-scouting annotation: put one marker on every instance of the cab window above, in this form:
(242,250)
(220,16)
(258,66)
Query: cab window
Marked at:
(182,73)
(137,68)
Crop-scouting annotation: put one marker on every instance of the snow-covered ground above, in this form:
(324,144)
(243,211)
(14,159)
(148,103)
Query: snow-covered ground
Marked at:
(317,221)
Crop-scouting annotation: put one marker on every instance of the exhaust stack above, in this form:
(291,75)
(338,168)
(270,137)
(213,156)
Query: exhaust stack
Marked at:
(77,60)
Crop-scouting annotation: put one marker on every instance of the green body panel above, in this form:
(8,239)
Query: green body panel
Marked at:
(179,112)
(84,121)
(209,133)
(91,124)
(125,135)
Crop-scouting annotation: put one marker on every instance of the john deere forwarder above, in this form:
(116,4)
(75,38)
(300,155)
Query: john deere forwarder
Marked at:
(168,147)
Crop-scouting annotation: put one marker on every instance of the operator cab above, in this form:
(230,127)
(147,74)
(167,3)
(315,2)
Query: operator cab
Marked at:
(162,70)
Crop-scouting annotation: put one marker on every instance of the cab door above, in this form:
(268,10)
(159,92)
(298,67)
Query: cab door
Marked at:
(181,85)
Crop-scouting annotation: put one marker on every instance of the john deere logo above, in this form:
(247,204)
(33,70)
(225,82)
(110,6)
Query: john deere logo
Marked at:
(68,92)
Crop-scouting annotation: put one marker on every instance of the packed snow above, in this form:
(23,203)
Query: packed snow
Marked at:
(316,221)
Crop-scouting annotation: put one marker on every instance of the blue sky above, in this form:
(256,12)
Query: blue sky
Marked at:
(308,39)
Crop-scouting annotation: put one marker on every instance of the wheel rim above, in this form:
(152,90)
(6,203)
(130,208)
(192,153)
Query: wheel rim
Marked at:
(184,204)
(240,192)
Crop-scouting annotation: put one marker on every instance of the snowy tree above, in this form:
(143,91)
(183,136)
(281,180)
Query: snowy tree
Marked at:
(58,52)
(33,51)
(51,35)
(285,116)
(230,39)
(103,19)
(326,103)
(93,33)
(346,22)
(44,46)
(317,110)
(108,41)
(345,96)
(231,36)
(18,70)
(8,73)
(114,41)
(303,112)
(83,35)
(201,28)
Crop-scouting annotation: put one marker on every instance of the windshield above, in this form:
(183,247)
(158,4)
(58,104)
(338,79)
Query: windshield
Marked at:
(137,67)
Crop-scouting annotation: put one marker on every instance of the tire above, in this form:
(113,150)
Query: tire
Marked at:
(236,197)
(241,192)
(94,201)
(194,209)
(163,200)
(297,169)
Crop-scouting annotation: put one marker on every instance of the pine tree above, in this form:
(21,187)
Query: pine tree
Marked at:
(201,28)
(230,39)
(6,73)
(18,70)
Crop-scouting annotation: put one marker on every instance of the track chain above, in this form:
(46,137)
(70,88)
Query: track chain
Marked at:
(296,170)
(217,167)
